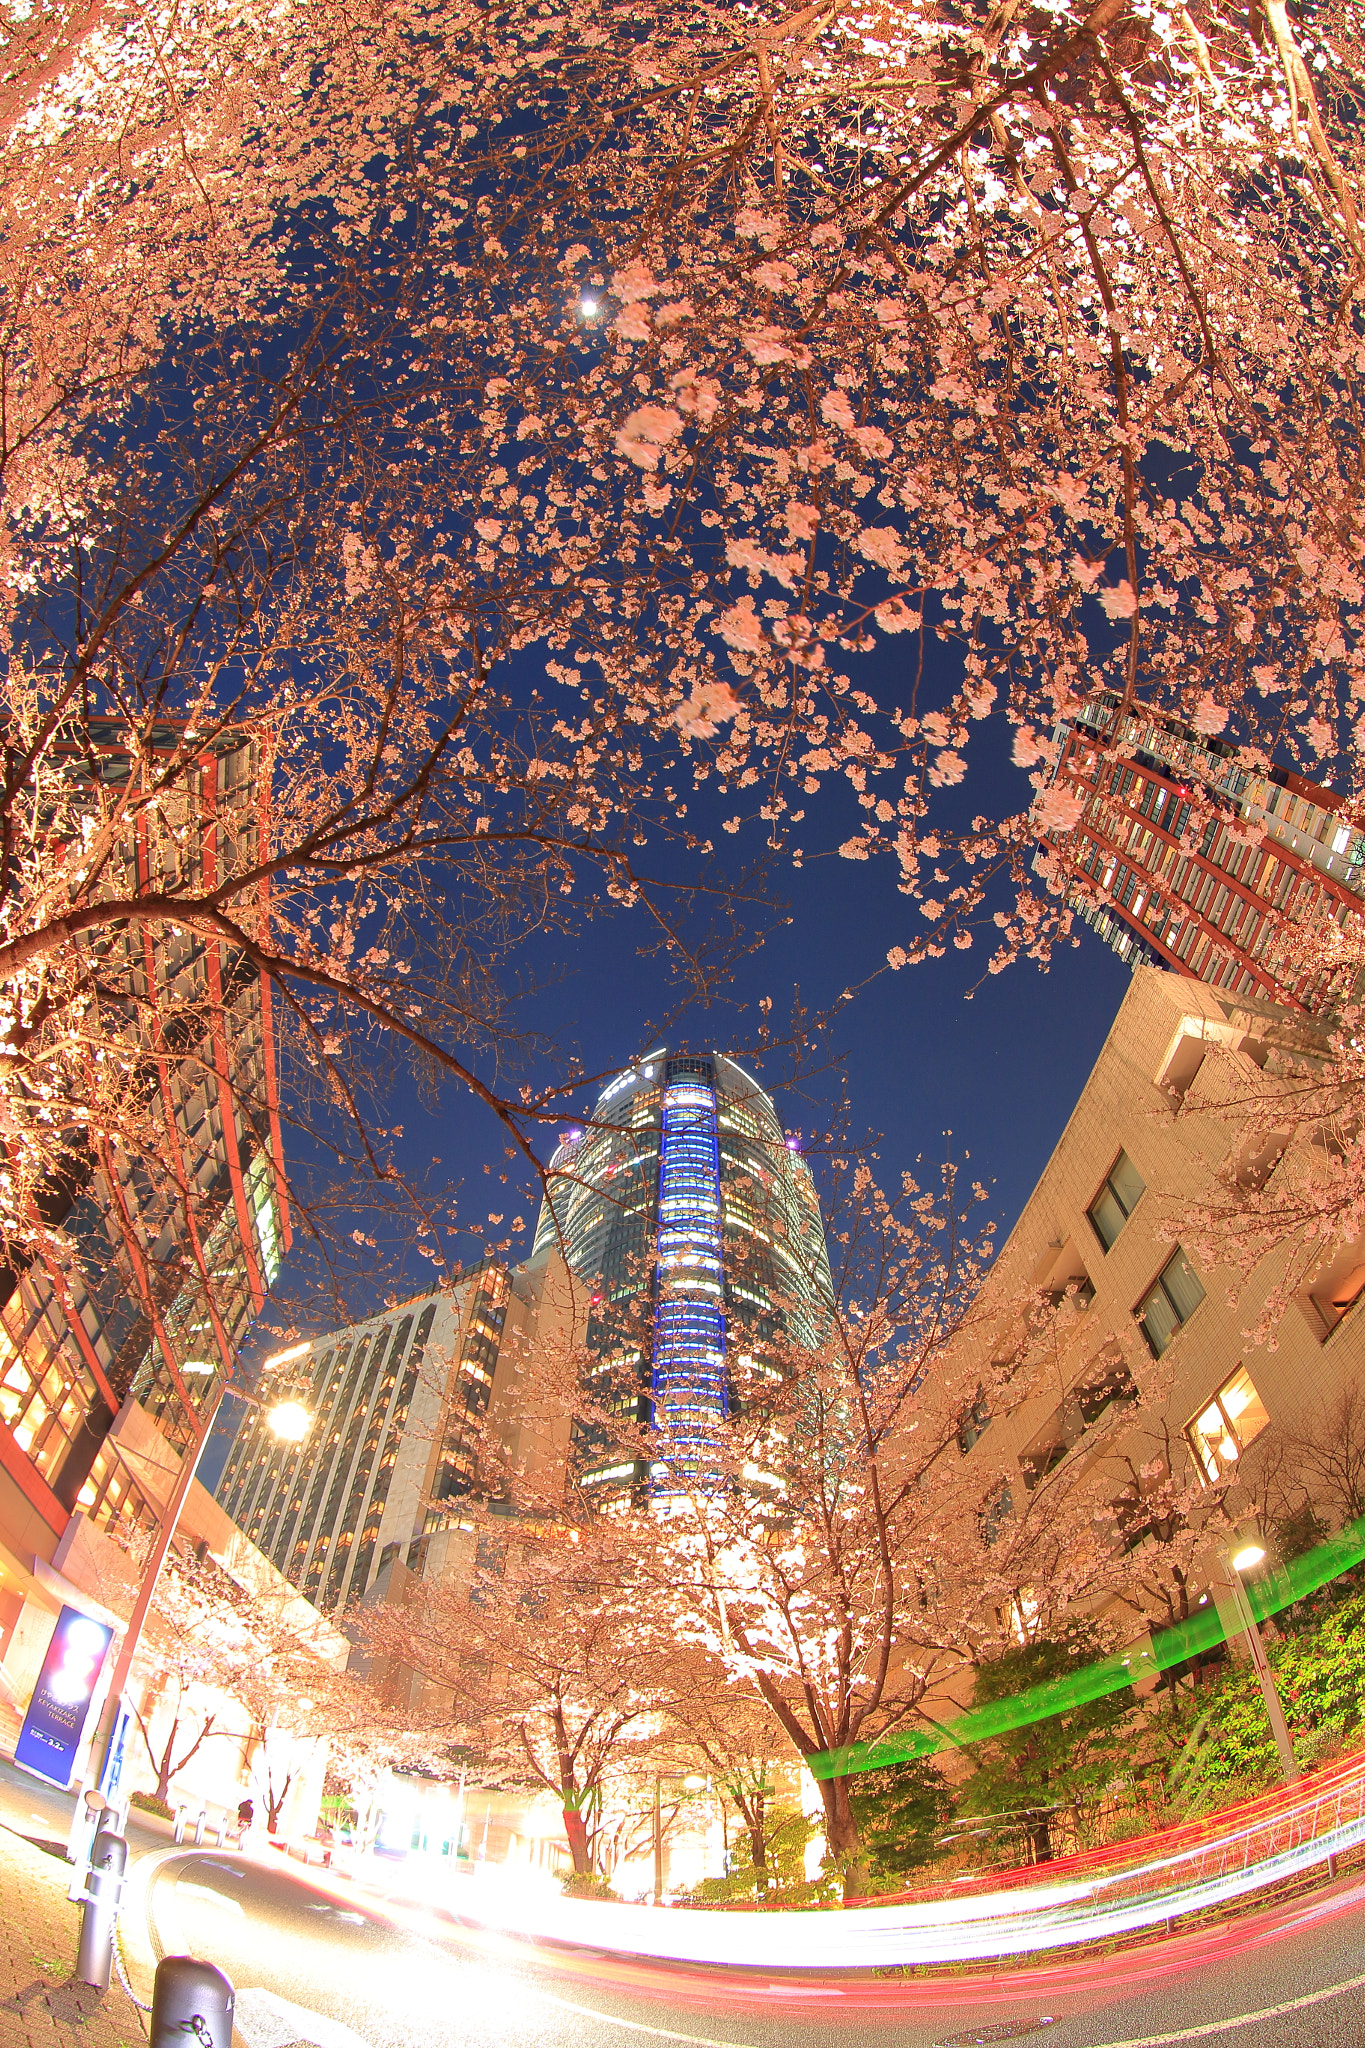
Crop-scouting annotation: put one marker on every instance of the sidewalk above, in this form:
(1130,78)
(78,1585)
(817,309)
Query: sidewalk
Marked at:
(40,2006)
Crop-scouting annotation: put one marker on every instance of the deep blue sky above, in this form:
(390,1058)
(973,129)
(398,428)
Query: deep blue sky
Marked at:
(1000,1071)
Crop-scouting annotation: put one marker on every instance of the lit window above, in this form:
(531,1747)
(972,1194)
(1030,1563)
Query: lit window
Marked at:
(1173,1300)
(1233,1419)
(1116,1200)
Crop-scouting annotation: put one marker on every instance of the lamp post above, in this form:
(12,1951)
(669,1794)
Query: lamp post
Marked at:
(289,1420)
(1244,1559)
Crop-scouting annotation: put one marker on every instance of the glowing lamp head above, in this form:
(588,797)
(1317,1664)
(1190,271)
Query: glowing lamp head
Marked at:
(290,1421)
(587,307)
(1248,1556)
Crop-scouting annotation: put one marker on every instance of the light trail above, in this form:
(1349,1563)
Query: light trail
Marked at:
(1123,1891)
(1167,1648)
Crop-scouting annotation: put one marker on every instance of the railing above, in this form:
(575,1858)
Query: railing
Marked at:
(1284,1819)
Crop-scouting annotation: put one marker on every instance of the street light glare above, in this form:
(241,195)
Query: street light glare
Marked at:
(1251,1555)
(290,1420)
(588,308)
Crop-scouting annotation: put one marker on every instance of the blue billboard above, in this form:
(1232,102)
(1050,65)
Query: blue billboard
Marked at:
(55,1722)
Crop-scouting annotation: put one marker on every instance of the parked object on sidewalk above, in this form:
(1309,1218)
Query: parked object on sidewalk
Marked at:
(85,1825)
(192,2005)
(104,1887)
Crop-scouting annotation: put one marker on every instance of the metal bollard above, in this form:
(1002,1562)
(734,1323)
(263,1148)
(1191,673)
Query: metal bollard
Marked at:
(199,1828)
(85,1825)
(191,2005)
(182,1814)
(95,1955)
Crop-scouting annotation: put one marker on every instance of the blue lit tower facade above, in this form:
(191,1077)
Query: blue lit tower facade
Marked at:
(693,1223)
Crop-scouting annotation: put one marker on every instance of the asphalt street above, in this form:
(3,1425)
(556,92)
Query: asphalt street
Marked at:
(351,1971)
(318,1961)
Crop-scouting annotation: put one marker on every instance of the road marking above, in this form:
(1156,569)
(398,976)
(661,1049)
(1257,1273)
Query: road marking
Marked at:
(1243,2019)
(268,2021)
(590,2012)
(206,1892)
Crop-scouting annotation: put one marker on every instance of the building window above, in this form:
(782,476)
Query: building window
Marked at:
(1114,1204)
(974,1423)
(1340,1287)
(1171,1302)
(1234,1418)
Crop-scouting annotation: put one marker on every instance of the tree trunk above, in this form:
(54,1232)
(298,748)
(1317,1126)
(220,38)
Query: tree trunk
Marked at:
(165,1766)
(274,1801)
(758,1841)
(576,1828)
(844,1840)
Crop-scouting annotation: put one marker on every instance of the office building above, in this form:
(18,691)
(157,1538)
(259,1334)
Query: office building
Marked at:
(1279,850)
(691,1221)
(165,1255)
(414,1412)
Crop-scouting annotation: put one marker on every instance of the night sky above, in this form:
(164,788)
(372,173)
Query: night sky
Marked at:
(1000,1070)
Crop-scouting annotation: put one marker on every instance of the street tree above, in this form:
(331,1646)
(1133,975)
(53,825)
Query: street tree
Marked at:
(504,427)
(532,1649)
(847,1560)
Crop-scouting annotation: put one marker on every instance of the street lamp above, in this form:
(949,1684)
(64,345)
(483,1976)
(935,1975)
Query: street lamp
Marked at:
(1245,1558)
(290,1421)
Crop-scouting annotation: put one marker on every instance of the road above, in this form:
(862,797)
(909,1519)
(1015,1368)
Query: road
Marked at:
(323,1962)
(403,1978)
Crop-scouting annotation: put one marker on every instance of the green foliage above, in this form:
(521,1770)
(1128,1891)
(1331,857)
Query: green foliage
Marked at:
(1320,1675)
(586,1885)
(901,1813)
(1027,1777)
(783,1881)
(147,1802)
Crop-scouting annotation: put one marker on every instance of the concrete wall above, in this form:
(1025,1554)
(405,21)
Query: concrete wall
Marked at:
(1167,1030)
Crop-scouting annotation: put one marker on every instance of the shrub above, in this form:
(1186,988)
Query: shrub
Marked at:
(147,1802)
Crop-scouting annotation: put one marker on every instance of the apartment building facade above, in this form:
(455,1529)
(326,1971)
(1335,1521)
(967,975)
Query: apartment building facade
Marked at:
(155,1260)
(1156,1119)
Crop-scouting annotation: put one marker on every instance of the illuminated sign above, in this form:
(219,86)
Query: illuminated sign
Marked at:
(55,1722)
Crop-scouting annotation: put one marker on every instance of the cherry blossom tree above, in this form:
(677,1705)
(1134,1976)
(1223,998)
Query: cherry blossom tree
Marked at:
(509,424)
(534,1652)
(860,1551)
(1285,1193)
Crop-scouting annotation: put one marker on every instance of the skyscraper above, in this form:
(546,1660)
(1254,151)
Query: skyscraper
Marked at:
(1279,851)
(405,1407)
(694,1223)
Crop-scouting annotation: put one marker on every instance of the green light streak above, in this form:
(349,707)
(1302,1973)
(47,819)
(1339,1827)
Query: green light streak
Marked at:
(1169,1647)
